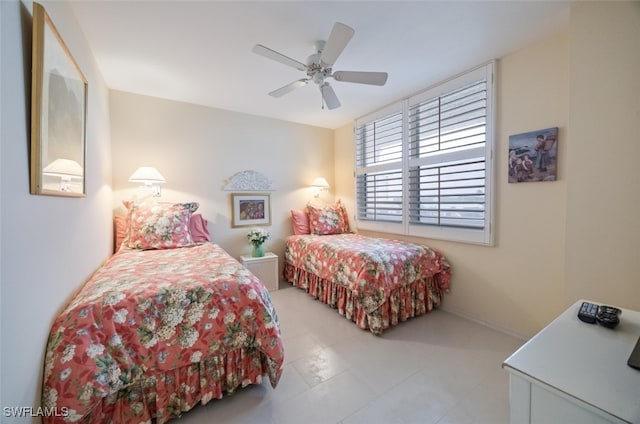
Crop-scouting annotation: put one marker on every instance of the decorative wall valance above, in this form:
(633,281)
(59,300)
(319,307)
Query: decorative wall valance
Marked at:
(249,181)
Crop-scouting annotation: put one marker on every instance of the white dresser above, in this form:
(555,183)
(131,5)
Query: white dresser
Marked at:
(265,268)
(574,372)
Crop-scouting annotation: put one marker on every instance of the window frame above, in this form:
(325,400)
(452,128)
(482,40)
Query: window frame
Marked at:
(482,236)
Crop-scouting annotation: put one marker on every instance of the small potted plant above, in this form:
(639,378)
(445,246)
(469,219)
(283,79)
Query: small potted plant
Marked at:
(257,237)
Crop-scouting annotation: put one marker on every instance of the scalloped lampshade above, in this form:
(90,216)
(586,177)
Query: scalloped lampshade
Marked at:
(321,185)
(63,168)
(148,176)
(320,182)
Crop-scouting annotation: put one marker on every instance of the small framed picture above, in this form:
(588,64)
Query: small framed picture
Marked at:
(250,210)
(533,156)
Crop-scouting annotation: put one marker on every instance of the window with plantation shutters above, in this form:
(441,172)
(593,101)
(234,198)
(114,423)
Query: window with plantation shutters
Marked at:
(426,165)
(447,136)
(379,179)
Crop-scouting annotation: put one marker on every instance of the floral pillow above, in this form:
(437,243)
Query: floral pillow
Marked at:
(197,227)
(327,220)
(160,225)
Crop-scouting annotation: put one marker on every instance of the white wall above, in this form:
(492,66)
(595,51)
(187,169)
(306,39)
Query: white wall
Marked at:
(49,245)
(197,149)
(576,237)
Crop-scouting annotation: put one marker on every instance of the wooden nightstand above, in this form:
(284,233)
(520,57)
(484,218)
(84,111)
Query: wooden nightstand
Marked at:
(265,268)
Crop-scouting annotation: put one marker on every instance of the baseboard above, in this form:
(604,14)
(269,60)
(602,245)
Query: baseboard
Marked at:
(490,324)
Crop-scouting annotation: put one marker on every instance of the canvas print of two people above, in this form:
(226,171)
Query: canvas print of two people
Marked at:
(533,156)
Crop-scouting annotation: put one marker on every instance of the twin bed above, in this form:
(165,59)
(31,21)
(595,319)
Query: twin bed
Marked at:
(172,320)
(157,330)
(374,282)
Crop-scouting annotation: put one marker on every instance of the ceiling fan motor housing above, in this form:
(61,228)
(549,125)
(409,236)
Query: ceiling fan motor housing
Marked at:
(315,71)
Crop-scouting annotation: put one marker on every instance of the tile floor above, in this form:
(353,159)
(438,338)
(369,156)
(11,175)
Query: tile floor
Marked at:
(437,368)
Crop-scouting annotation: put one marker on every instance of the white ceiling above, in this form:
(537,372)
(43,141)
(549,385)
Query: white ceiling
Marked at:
(200,51)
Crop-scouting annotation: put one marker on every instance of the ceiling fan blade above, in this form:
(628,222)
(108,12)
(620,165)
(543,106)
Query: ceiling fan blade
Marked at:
(329,96)
(279,57)
(371,78)
(338,39)
(289,87)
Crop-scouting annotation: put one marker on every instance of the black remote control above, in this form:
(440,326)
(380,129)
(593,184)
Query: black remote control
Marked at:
(588,312)
(608,316)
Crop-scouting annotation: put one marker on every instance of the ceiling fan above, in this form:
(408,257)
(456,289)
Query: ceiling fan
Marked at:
(319,66)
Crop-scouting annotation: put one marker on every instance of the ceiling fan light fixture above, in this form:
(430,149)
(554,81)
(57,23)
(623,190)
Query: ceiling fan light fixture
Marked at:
(318,78)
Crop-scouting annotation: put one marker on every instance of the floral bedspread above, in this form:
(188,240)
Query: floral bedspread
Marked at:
(371,268)
(152,311)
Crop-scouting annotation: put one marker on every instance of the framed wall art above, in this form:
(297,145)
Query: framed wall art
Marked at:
(58,113)
(250,209)
(533,156)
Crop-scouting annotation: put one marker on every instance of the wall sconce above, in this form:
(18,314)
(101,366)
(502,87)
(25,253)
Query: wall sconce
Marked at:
(321,185)
(66,169)
(148,176)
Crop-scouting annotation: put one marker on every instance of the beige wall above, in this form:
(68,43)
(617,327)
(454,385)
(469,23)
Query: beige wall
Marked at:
(50,245)
(574,238)
(516,285)
(345,168)
(197,149)
(603,194)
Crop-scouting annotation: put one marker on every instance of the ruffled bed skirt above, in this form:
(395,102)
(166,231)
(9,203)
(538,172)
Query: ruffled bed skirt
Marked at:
(166,395)
(404,302)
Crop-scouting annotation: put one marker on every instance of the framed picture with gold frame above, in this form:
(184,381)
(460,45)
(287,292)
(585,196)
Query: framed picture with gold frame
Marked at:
(250,209)
(58,113)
